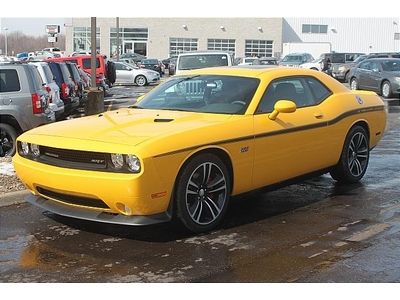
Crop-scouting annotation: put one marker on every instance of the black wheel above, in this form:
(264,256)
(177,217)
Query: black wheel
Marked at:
(354,83)
(354,159)
(202,193)
(141,80)
(386,89)
(346,77)
(8,138)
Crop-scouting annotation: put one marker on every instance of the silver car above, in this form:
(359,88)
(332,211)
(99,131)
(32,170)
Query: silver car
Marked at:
(23,103)
(56,104)
(129,74)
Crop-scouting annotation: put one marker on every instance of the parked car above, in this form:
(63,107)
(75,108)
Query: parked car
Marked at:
(24,104)
(55,50)
(67,87)
(201,147)
(168,60)
(129,74)
(341,71)
(266,61)
(151,64)
(246,60)
(296,59)
(381,75)
(313,65)
(85,77)
(79,83)
(104,76)
(136,57)
(41,55)
(56,104)
(203,59)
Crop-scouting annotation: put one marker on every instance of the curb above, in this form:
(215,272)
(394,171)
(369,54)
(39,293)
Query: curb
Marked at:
(13,198)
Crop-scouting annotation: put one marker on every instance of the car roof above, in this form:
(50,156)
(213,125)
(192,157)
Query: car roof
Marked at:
(382,59)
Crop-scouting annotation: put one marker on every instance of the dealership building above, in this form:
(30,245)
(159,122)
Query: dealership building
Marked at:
(163,37)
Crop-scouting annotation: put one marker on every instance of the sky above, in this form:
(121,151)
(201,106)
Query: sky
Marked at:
(31,26)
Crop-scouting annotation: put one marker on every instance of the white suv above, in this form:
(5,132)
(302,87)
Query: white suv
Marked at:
(203,59)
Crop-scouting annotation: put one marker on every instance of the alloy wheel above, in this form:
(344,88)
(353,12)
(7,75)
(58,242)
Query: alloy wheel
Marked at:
(386,90)
(6,143)
(357,154)
(206,193)
(353,84)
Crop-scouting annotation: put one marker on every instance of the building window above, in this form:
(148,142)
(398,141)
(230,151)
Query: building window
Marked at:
(221,44)
(260,48)
(81,39)
(313,28)
(130,39)
(180,45)
(397,36)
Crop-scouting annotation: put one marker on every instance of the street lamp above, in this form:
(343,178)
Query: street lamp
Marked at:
(5,40)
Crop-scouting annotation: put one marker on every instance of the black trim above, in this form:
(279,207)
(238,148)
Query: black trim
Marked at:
(308,86)
(71,199)
(283,131)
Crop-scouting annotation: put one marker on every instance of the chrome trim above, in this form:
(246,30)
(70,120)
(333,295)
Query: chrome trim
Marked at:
(91,215)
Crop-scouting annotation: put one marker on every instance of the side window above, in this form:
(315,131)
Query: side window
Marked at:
(86,63)
(289,88)
(364,65)
(374,67)
(319,91)
(118,66)
(9,81)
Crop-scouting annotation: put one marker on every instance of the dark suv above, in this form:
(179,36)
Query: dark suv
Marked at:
(67,86)
(24,104)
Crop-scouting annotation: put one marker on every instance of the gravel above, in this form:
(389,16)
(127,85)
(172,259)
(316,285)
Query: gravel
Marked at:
(8,183)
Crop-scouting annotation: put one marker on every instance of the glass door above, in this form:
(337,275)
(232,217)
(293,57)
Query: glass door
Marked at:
(128,47)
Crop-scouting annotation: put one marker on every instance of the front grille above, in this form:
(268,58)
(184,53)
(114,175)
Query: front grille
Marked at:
(73,158)
(70,199)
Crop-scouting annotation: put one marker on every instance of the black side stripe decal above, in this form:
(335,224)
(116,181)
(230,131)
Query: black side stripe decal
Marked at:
(283,131)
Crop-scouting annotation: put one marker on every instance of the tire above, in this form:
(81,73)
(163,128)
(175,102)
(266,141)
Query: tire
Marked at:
(202,193)
(346,77)
(386,89)
(353,84)
(354,159)
(8,140)
(141,80)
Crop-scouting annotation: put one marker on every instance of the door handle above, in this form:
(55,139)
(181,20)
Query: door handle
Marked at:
(318,115)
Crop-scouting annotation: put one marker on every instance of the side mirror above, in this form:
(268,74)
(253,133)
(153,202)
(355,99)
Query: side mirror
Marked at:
(282,106)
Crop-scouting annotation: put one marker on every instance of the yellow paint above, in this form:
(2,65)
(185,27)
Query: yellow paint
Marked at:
(163,148)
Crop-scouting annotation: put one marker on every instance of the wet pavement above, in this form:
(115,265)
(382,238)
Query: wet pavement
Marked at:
(315,231)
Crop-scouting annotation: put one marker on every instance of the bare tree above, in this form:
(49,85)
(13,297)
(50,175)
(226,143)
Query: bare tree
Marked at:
(18,42)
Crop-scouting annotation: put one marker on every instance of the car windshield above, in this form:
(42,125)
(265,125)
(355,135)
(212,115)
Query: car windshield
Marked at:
(294,58)
(200,61)
(391,65)
(359,59)
(203,93)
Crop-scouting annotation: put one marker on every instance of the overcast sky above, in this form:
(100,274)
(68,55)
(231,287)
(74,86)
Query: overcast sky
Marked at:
(32,26)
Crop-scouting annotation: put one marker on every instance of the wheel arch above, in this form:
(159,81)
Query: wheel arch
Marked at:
(363,123)
(10,120)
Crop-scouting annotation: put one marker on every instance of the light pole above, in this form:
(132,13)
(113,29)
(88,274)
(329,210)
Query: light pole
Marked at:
(5,40)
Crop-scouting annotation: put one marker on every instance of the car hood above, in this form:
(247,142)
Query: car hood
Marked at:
(126,126)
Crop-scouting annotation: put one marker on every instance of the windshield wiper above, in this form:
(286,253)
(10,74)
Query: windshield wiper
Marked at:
(135,106)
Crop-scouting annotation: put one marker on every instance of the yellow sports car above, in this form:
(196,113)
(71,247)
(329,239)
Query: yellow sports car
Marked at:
(196,140)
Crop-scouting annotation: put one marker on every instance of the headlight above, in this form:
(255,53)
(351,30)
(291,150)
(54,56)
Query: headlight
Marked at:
(397,79)
(35,150)
(117,160)
(342,68)
(133,163)
(25,148)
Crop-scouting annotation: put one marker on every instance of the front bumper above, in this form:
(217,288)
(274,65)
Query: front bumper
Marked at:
(90,215)
(142,194)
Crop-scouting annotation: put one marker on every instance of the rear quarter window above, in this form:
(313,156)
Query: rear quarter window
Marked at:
(319,91)
(9,81)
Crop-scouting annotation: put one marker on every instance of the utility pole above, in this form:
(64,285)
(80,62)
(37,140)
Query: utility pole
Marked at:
(117,21)
(93,50)
(5,40)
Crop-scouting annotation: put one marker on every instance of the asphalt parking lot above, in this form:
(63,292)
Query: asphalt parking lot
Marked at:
(315,231)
